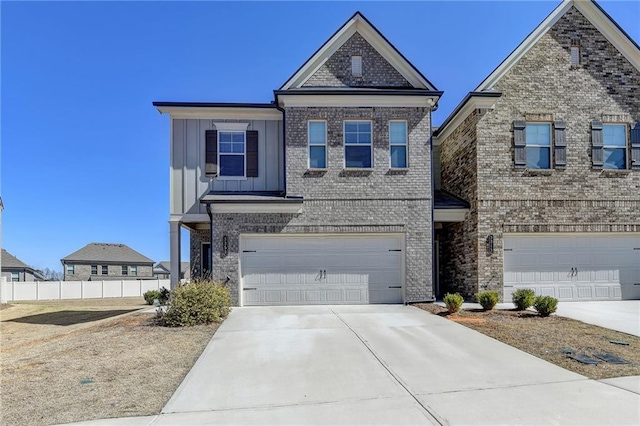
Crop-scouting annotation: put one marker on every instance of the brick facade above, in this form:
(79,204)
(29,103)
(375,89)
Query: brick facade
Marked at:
(82,272)
(542,86)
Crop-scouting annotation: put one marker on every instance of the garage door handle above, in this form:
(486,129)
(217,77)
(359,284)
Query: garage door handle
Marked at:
(395,286)
(250,288)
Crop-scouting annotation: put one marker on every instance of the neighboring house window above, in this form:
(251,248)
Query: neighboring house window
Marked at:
(317,135)
(134,271)
(125,270)
(105,269)
(398,144)
(357,144)
(71,270)
(94,269)
(15,276)
(614,146)
(356,66)
(538,140)
(231,151)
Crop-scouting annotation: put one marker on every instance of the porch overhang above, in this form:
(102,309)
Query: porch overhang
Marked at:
(243,202)
(449,208)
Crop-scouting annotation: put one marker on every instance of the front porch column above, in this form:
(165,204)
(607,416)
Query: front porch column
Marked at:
(174,253)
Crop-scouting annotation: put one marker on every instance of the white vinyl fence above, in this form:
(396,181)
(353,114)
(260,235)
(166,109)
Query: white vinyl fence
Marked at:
(55,290)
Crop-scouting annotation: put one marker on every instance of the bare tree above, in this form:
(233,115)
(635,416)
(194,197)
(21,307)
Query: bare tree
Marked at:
(51,275)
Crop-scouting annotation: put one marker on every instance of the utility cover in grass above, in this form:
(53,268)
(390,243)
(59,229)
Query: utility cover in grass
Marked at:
(613,359)
(583,359)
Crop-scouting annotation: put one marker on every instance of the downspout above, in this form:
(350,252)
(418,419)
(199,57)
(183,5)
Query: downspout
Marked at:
(210,213)
(434,278)
(284,143)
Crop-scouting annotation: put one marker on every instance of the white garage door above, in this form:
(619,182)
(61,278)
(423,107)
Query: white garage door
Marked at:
(334,269)
(573,267)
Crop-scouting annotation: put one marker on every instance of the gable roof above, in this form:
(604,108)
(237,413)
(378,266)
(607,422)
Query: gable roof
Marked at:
(593,13)
(10,261)
(166,265)
(358,23)
(106,252)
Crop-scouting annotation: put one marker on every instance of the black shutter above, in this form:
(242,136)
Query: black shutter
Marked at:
(211,152)
(560,144)
(596,144)
(520,143)
(252,153)
(635,146)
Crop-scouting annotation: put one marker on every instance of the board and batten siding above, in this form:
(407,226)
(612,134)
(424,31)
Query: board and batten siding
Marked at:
(188,180)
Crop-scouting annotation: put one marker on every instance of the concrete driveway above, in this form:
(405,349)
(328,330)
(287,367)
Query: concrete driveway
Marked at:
(381,365)
(620,315)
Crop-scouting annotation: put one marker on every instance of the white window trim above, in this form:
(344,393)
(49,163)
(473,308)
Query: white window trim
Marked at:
(102,272)
(222,127)
(406,143)
(309,145)
(344,143)
(550,146)
(70,269)
(625,148)
(92,266)
(15,277)
(133,271)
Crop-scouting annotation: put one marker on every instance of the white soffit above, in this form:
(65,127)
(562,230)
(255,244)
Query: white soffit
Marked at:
(592,13)
(221,113)
(473,103)
(360,25)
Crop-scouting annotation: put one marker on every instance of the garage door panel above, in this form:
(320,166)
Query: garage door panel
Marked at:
(321,270)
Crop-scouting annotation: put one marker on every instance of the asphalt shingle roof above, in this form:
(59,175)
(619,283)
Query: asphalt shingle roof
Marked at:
(10,261)
(107,252)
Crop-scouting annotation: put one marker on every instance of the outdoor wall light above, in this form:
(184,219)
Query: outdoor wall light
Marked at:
(489,245)
(225,245)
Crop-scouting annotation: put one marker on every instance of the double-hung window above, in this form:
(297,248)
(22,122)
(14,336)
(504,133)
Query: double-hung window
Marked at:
(134,271)
(614,146)
(231,152)
(357,144)
(105,269)
(15,277)
(317,136)
(94,269)
(71,270)
(398,144)
(538,142)
(125,270)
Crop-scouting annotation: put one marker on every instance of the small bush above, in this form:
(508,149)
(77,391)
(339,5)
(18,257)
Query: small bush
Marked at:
(488,299)
(199,302)
(151,295)
(453,302)
(545,305)
(523,298)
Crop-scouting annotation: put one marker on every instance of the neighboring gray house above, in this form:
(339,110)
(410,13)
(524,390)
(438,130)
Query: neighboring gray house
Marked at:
(162,270)
(15,270)
(546,150)
(102,261)
(323,196)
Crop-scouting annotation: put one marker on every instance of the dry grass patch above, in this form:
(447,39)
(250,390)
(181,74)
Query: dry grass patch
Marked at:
(96,367)
(546,338)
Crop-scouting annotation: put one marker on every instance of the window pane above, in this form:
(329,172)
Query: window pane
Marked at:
(614,135)
(225,147)
(538,158)
(398,156)
(613,158)
(105,269)
(539,134)
(364,138)
(232,165)
(237,137)
(358,156)
(237,148)
(351,126)
(351,138)
(364,126)
(398,132)
(225,137)
(317,158)
(316,132)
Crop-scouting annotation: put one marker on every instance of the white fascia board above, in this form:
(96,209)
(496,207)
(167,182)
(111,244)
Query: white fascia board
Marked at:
(356,101)
(274,207)
(449,215)
(189,218)
(222,113)
(474,103)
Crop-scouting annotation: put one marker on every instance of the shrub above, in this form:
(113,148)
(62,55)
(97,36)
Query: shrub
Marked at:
(453,302)
(164,295)
(545,305)
(523,298)
(487,299)
(151,295)
(199,302)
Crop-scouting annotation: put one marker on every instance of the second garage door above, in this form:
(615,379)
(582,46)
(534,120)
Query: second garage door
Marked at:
(330,269)
(574,267)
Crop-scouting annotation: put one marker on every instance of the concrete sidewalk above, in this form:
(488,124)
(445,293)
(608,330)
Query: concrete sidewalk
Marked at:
(619,315)
(380,365)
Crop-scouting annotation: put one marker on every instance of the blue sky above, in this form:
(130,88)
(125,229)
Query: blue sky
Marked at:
(85,156)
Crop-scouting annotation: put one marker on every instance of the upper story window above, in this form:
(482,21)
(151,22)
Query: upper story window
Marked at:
(70,269)
(15,277)
(538,145)
(94,269)
(614,146)
(231,153)
(317,135)
(134,271)
(356,66)
(105,269)
(357,144)
(125,270)
(398,144)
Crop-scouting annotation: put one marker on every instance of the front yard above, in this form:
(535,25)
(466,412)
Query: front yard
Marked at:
(67,361)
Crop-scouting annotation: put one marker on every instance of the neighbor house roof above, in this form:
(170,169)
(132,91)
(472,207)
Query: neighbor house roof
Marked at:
(108,253)
(10,261)
(166,265)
